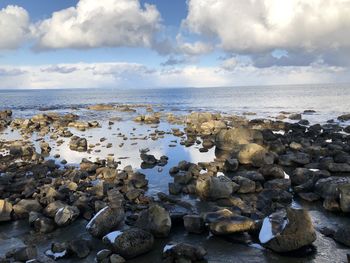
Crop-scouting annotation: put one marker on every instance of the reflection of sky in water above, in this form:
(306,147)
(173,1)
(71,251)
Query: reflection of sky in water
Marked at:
(158,178)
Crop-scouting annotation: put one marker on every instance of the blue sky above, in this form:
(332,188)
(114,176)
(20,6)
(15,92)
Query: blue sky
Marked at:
(179,43)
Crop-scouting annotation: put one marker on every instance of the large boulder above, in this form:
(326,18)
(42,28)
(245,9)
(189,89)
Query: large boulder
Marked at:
(106,220)
(212,127)
(129,243)
(328,188)
(213,188)
(155,220)
(287,230)
(255,155)
(233,138)
(5,211)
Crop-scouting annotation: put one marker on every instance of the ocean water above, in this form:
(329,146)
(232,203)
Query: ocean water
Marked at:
(329,101)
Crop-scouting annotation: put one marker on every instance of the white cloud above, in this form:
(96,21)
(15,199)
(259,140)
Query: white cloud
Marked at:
(14,27)
(107,23)
(195,49)
(248,26)
(133,75)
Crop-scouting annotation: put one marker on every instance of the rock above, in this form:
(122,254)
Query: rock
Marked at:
(79,247)
(183,252)
(193,224)
(342,236)
(43,224)
(338,167)
(344,196)
(344,117)
(231,225)
(270,200)
(301,176)
(5,211)
(255,154)
(310,197)
(106,220)
(287,230)
(52,208)
(78,144)
(66,215)
(25,206)
(103,255)
(231,164)
(230,139)
(328,188)
(283,184)
(155,220)
(25,253)
(212,127)
(211,217)
(101,107)
(116,259)
(130,243)
(213,188)
(271,172)
(295,116)
(245,185)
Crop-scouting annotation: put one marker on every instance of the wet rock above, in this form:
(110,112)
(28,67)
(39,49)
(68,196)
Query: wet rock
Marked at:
(103,255)
(295,116)
(5,211)
(25,253)
(342,236)
(310,197)
(78,144)
(271,200)
(193,224)
(25,206)
(230,139)
(344,196)
(130,243)
(155,220)
(52,208)
(106,220)
(211,217)
(245,185)
(114,258)
(213,188)
(283,184)
(149,119)
(287,230)
(79,247)
(45,147)
(101,107)
(328,188)
(338,167)
(183,252)
(255,155)
(40,223)
(231,225)
(66,215)
(271,172)
(231,164)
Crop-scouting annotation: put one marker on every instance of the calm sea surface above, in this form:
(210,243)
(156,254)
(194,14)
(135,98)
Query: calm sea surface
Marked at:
(328,100)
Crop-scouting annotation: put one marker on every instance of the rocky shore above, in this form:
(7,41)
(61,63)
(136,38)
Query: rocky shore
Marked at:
(246,195)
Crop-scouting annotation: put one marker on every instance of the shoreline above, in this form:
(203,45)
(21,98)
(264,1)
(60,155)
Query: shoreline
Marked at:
(225,174)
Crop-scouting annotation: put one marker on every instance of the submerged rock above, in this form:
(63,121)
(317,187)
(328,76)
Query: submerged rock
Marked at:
(231,225)
(287,230)
(183,252)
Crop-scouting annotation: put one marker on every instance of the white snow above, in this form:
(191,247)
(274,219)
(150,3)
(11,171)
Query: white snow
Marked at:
(220,174)
(266,234)
(168,247)
(113,235)
(286,176)
(279,132)
(88,226)
(329,140)
(314,170)
(57,255)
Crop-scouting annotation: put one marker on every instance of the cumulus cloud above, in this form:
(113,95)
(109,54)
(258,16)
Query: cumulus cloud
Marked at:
(250,26)
(14,27)
(91,24)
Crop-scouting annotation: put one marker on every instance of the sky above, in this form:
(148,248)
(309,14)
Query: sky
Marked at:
(172,43)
